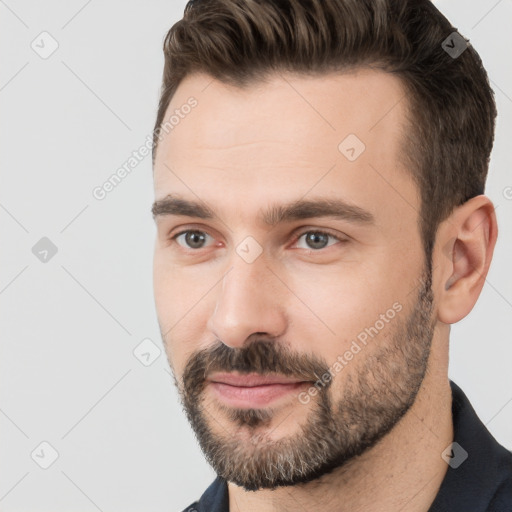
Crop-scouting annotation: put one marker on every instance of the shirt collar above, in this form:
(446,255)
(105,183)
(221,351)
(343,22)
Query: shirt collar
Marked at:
(474,483)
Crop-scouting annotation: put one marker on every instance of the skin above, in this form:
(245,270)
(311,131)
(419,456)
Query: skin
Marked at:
(239,151)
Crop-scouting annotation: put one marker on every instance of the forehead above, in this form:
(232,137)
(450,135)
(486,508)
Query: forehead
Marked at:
(338,135)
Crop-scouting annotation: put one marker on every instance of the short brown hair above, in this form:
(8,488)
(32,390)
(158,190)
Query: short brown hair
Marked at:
(451,105)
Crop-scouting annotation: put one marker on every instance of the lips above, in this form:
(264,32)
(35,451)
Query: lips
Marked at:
(251,379)
(253,390)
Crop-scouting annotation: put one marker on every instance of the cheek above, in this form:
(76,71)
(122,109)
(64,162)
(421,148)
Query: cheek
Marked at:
(176,289)
(339,306)
(180,343)
(337,294)
(182,302)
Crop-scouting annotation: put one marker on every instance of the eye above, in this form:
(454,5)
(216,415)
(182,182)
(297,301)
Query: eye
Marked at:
(191,239)
(314,239)
(317,240)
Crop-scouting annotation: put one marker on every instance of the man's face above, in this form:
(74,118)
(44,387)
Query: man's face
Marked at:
(294,303)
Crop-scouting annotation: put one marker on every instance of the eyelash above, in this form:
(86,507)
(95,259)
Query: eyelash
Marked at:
(297,237)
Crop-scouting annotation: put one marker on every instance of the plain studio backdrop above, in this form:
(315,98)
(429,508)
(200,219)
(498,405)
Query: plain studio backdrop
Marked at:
(85,386)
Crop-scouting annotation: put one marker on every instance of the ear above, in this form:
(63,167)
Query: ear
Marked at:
(464,249)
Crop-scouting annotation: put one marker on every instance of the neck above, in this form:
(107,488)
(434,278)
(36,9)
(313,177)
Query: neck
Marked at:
(403,471)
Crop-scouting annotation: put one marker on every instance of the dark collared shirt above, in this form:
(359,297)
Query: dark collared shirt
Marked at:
(478,479)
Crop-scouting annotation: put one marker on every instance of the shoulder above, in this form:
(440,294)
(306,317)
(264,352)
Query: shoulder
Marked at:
(214,499)
(502,498)
(192,508)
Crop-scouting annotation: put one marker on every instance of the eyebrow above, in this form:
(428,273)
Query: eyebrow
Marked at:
(275,214)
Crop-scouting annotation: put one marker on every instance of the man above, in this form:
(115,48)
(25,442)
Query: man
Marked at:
(319,171)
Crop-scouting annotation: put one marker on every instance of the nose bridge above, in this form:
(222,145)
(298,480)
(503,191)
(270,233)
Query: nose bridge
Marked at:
(247,302)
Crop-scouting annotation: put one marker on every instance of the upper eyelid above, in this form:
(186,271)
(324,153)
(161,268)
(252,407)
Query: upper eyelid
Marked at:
(319,230)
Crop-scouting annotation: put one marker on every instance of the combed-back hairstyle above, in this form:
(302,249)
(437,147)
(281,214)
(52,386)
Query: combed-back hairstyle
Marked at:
(451,109)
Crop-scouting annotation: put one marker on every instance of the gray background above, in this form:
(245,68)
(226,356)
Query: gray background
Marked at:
(70,325)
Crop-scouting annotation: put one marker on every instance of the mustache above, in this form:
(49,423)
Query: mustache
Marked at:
(261,356)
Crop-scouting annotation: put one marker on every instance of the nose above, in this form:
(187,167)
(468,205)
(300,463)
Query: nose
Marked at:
(248,304)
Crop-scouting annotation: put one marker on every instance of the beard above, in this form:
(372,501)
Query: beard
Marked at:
(373,399)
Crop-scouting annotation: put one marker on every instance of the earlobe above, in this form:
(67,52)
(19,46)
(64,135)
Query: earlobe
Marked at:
(468,239)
